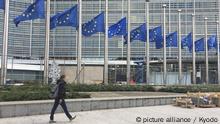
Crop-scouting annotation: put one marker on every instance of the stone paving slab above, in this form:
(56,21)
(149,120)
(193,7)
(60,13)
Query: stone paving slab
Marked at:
(127,116)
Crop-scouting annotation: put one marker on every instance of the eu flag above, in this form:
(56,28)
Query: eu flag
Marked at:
(118,29)
(66,18)
(186,41)
(156,34)
(159,44)
(139,33)
(34,11)
(2,4)
(171,40)
(200,45)
(53,21)
(94,26)
(212,42)
(157,37)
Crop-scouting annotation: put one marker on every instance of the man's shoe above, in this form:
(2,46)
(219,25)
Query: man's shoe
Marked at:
(73,118)
(52,121)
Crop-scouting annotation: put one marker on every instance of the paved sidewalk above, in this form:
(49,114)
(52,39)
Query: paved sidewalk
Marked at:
(126,116)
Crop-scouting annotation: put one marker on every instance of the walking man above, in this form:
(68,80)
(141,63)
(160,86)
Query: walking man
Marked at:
(59,95)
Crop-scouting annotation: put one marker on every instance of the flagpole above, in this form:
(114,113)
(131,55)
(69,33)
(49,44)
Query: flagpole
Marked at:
(164,46)
(79,44)
(106,44)
(218,27)
(76,41)
(31,33)
(122,37)
(193,49)
(54,31)
(180,48)
(128,42)
(169,26)
(99,48)
(169,23)
(206,52)
(218,53)
(46,49)
(194,6)
(4,60)
(147,44)
(76,45)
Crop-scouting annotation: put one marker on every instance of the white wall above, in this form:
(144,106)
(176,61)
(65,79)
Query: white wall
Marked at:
(91,74)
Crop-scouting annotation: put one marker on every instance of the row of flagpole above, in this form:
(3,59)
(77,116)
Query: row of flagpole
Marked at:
(193,49)
(47,39)
(79,48)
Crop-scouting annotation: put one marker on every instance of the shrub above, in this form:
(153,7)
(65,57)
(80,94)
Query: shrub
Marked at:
(34,92)
(99,88)
(42,92)
(191,88)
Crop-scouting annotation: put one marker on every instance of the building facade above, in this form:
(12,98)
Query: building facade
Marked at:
(27,40)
